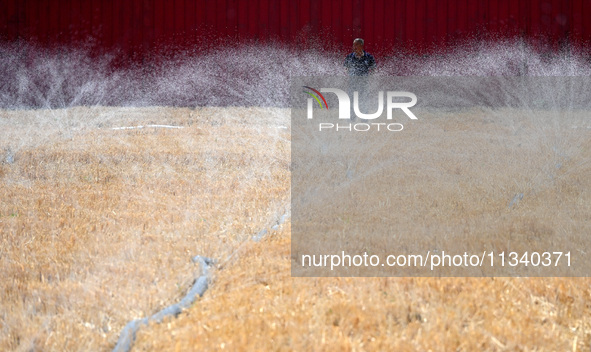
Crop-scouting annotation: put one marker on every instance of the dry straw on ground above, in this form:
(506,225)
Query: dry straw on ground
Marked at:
(98,226)
(468,180)
(256,305)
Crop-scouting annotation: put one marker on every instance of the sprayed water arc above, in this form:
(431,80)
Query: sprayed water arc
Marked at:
(53,88)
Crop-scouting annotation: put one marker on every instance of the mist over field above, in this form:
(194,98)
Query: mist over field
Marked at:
(112,177)
(243,75)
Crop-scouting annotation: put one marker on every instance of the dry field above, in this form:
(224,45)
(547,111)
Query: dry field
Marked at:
(98,227)
(453,182)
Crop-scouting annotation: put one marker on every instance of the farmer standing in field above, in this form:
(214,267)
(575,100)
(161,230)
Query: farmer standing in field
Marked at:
(359,65)
(359,62)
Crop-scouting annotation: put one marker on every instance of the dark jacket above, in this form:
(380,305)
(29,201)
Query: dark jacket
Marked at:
(359,66)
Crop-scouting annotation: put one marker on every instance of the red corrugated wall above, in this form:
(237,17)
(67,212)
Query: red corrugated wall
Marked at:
(139,27)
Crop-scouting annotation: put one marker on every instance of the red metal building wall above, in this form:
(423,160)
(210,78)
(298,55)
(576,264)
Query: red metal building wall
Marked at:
(141,26)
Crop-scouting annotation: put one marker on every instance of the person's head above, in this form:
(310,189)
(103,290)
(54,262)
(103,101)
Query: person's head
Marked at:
(358,46)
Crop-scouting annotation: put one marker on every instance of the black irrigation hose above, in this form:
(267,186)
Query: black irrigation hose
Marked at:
(127,336)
